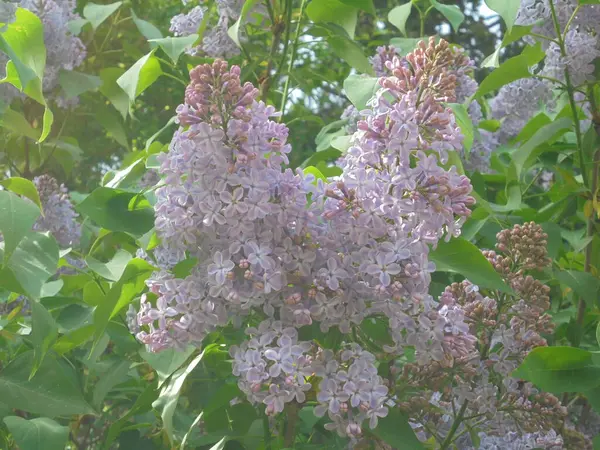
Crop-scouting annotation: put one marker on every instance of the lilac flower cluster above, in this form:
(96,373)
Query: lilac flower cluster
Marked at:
(475,391)
(63,50)
(359,248)
(58,217)
(273,366)
(216,41)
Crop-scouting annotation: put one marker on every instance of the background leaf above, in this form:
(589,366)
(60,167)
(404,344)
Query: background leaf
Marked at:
(37,434)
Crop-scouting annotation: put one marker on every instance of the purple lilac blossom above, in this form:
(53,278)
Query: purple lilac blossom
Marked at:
(358,249)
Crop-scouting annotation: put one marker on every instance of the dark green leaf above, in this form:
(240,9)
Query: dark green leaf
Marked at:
(183,268)
(583,284)
(75,83)
(31,264)
(53,391)
(118,210)
(560,369)
(350,52)
(364,5)
(461,256)
(112,91)
(37,434)
(44,332)
(395,430)
(169,395)
(117,374)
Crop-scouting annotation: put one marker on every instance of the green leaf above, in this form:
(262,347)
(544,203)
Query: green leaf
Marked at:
(121,293)
(126,176)
(174,46)
(560,369)
(183,268)
(117,374)
(507,9)
(395,430)
(461,256)
(37,434)
(583,284)
(167,361)
(234,30)
(30,265)
(96,14)
(44,332)
(333,11)
(53,391)
(450,12)
(406,45)
(23,42)
(350,52)
(16,123)
(490,125)
(112,91)
(554,240)
(23,187)
(364,5)
(113,269)
(399,15)
(464,122)
(511,70)
(219,445)
(76,83)
(118,210)
(140,76)
(312,170)
(360,89)
(520,156)
(169,395)
(148,30)
(113,124)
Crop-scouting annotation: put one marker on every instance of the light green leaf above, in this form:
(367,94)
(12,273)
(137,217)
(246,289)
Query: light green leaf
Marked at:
(126,176)
(43,335)
(360,89)
(23,42)
(169,395)
(350,52)
(37,434)
(507,9)
(583,284)
(464,122)
(76,83)
(16,123)
(364,5)
(312,170)
(113,269)
(32,263)
(121,293)
(24,187)
(511,70)
(17,216)
(461,256)
(399,15)
(174,46)
(560,369)
(407,45)
(140,76)
(96,14)
(450,12)
(395,430)
(234,30)
(333,11)
(118,210)
(548,132)
(53,391)
(148,30)
(75,26)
